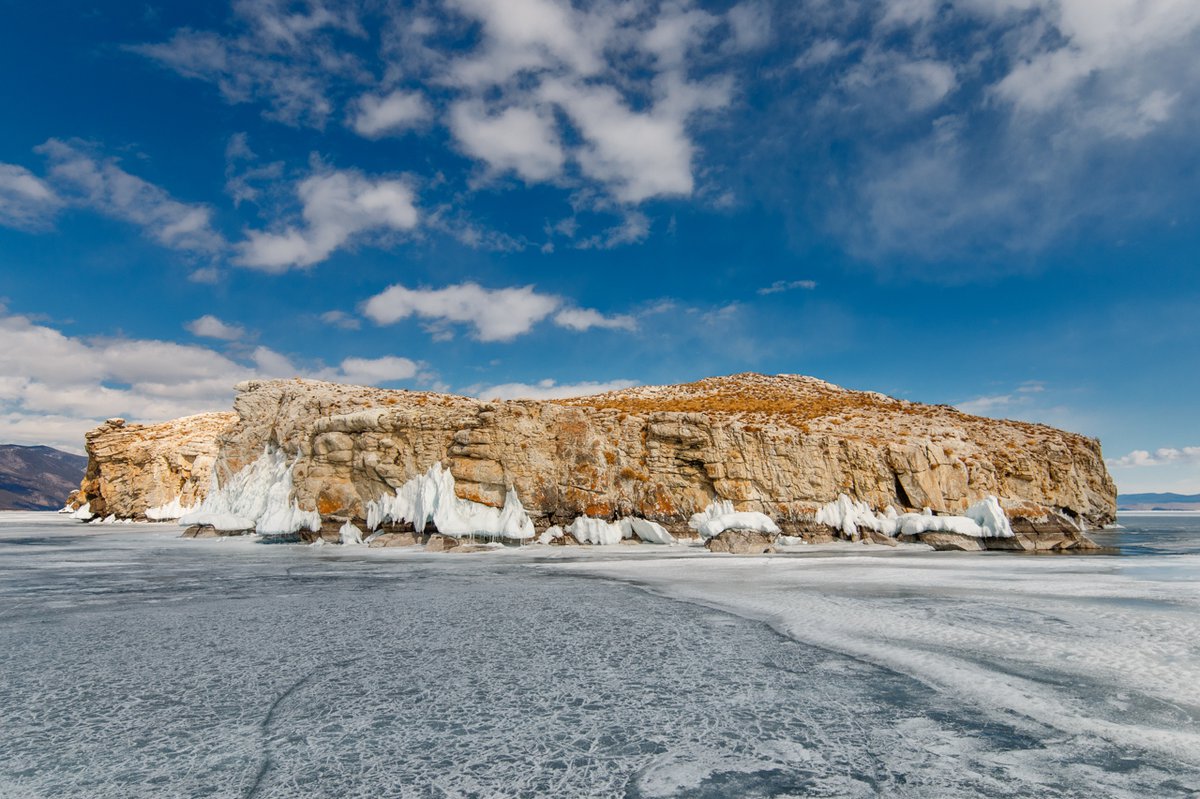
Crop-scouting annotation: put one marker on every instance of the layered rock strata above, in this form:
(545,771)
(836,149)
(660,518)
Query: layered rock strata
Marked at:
(781,445)
(133,468)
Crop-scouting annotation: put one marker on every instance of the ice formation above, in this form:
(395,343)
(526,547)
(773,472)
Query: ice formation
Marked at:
(430,498)
(170,510)
(984,519)
(349,534)
(603,533)
(258,498)
(84,513)
(650,532)
(720,516)
(596,531)
(550,534)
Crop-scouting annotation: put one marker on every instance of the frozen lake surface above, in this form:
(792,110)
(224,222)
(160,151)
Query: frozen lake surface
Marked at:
(137,664)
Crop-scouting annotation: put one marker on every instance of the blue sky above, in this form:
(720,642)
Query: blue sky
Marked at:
(985,203)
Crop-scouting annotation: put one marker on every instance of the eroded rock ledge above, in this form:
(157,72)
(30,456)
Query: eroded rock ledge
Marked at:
(781,445)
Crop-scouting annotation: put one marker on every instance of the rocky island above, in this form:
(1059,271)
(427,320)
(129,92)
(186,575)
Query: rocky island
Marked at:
(745,461)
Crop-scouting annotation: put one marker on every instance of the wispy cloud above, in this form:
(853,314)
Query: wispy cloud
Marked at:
(548,389)
(787,285)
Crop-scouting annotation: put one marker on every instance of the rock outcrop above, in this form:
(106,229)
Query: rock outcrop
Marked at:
(782,445)
(134,467)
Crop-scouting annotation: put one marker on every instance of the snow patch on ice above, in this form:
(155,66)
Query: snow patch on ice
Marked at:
(430,498)
(984,519)
(258,497)
(721,516)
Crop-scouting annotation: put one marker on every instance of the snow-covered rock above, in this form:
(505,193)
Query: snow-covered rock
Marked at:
(83,512)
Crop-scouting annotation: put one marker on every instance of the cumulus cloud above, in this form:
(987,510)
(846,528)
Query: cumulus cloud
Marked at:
(336,207)
(85,179)
(209,326)
(519,140)
(341,319)
(56,386)
(548,389)
(495,314)
(26,201)
(375,116)
(1163,456)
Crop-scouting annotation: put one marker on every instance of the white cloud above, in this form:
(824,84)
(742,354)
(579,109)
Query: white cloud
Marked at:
(1097,39)
(520,140)
(392,114)
(587,318)
(284,57)
(989,404)
(55,386)
(26,201)
(548,389)
(787,285)
(99,184)
(337,206)
(341,319)
(209,326)
(374,371)
(634,227)
(1163,456)
(522,35)
(495,314)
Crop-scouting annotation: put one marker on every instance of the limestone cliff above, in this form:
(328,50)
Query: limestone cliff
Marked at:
(782,445)
(133,467)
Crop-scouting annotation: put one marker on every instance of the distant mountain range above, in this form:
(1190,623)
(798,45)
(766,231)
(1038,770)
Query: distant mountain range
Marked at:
(1158,501)
(37,478)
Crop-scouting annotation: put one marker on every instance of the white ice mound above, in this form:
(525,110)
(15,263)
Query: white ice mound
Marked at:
(550,534)
(349,534)
(604,533)
(84,513)
(430,498)
(596,531)
(651,532)
(720,516)
(174,509)
(259,497)
(849,516)
(984,519)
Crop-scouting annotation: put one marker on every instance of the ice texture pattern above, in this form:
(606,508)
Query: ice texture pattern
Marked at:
(138,665)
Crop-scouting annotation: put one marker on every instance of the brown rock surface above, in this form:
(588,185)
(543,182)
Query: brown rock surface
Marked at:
(742,542)
(133,467)
(783,445)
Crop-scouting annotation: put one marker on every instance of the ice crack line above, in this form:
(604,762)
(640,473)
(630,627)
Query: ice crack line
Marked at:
(264,726)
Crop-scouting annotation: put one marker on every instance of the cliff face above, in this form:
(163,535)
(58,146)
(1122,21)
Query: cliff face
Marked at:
(782,445)
(133,468)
